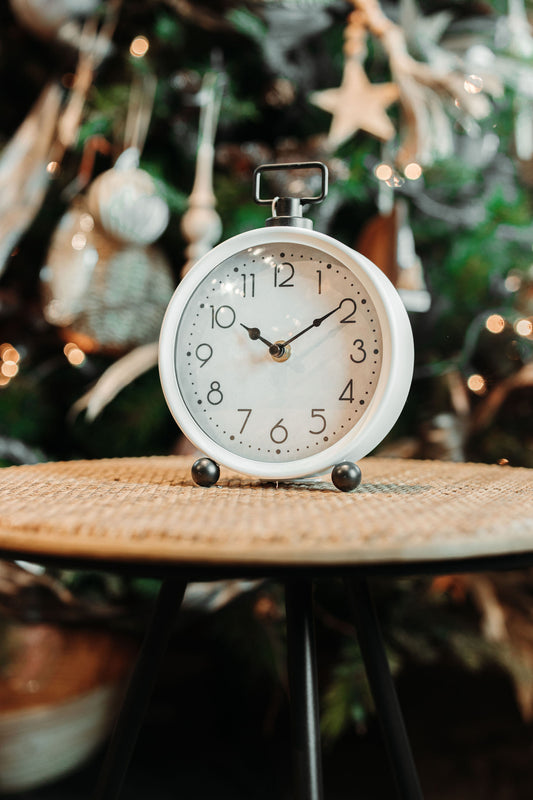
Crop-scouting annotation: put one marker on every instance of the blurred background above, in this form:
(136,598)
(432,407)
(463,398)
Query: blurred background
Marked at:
(129,132)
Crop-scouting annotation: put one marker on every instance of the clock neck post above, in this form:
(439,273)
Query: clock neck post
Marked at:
(288,211)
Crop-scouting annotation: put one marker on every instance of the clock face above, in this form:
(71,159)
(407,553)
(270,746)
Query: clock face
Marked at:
(278,351)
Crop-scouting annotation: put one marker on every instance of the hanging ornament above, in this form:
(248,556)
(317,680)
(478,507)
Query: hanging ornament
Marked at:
(201,225)
(106,295)
(24,177)
(125,200)
(33,156)
(127,203)
(357,104)
(101,282)
(387,239)
(431,95)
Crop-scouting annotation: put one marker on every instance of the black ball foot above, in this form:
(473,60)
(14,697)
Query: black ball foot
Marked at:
(205,472)
(346,476)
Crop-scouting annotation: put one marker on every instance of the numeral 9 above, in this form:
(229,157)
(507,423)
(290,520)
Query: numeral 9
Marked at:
(203,353)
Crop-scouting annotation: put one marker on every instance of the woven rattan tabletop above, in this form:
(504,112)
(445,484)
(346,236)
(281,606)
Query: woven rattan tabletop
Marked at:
(148,510)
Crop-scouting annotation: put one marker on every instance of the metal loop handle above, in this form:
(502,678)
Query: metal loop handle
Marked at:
(298,165)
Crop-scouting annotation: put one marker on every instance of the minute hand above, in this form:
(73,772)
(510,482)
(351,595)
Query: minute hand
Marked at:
(315,323)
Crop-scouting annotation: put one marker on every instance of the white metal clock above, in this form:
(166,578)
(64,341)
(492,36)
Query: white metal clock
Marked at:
(284,353)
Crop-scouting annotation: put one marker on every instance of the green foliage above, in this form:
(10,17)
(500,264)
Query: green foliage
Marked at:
(347,701)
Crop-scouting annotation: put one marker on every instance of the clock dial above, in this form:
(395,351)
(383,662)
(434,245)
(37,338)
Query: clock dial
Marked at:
(278,352)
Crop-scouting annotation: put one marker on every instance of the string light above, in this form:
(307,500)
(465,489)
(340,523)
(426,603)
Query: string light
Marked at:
(495,323)
(9,358)
(52,167)
(9,353)
(79,240)
(139,46)
(524,327)
(413,171)
(476,384)
(383,172)
(9,369)
(74,354)
(503,462)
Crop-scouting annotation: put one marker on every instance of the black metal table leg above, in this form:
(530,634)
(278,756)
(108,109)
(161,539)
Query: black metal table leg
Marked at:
(139,690)
(305,716)
(383,691)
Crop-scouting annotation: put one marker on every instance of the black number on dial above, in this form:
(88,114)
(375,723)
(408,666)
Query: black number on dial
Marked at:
(223,316)
(248,286)
(319,273)
(281,432)
(207,353)
(215,396)
(247,411)
(315,413)
(347,392)
(348,317)
(359,348)
(285,281)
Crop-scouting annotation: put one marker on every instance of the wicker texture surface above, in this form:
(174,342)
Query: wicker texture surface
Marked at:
(148,509)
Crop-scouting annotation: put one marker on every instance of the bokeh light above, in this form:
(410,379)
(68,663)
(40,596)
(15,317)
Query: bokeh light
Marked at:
(495,323)
(413,171)
(74,354)
(473,84)
(477,384)
(383,172)
(139,46)
(524,327)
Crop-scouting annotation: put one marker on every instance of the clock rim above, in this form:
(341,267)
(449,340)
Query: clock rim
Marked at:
(393,383)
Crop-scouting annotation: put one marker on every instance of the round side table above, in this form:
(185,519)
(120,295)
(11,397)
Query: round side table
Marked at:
(147,516)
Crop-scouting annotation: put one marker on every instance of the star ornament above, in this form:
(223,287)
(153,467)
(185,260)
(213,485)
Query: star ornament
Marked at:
(357,104)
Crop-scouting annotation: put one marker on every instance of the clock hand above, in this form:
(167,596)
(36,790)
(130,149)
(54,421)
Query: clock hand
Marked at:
(315,323)
(255,333)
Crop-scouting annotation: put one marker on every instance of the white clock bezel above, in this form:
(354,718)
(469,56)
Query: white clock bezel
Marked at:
(394,380)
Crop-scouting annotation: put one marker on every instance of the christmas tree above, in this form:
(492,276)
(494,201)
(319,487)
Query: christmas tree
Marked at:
(129,135)
(425,123)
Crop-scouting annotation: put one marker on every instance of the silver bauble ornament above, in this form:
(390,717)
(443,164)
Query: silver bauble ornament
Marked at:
(107,296)
(126,202)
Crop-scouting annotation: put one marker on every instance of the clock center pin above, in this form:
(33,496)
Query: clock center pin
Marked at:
(279,351)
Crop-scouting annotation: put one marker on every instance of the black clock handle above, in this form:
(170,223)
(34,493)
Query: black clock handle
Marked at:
(265,201)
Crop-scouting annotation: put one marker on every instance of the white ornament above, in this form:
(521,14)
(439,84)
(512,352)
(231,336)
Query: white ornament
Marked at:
(126,202)
(69,266)
(108,295)
(201,224)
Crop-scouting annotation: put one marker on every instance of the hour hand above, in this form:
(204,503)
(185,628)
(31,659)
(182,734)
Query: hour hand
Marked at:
(255,333)
(275,350)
